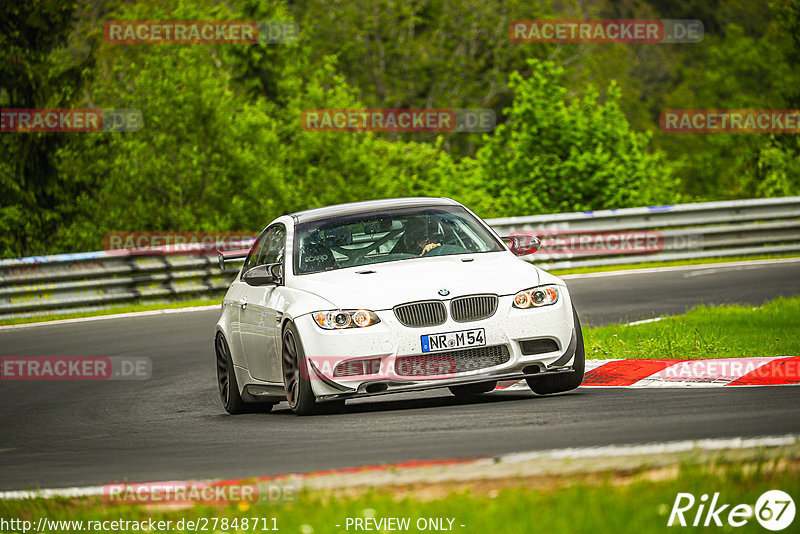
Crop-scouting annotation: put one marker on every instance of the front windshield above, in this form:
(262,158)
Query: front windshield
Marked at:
(388,235)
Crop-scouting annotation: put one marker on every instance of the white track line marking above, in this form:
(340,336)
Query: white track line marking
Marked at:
(719,270)
(644,321)
(89,491)
(113,316)
(654,448)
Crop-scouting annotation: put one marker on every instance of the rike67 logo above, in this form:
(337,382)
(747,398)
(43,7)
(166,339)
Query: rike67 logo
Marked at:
(774,510)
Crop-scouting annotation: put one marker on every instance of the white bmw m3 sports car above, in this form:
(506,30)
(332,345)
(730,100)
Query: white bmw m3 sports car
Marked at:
(389,296)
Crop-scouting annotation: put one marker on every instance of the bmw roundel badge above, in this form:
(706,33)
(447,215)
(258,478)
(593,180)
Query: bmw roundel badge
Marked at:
(444,292)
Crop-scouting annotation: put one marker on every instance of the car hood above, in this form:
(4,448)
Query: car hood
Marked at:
(384,285)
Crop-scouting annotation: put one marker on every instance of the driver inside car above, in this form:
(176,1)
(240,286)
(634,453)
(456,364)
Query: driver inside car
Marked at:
(418,241)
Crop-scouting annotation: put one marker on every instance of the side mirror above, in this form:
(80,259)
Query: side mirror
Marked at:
(522,245)
(231,255)
(262,275)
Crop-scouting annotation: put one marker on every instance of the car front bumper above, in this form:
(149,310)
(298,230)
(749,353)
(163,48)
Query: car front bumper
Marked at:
(389,341)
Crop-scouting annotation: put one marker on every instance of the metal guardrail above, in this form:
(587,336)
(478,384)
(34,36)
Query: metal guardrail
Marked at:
(68,283)
(689,231)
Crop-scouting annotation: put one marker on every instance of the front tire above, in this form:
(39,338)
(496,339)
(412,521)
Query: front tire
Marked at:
(299,394)
(548,385)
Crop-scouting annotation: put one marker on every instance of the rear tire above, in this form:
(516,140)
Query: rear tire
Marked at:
(299,394)
(226,380)
(547,385)
(472,390)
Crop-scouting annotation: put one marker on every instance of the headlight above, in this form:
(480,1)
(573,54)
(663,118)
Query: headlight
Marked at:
(536,297)
(338,319)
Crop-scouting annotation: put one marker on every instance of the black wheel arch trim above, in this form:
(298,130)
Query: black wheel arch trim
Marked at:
(568,354)
(327,380)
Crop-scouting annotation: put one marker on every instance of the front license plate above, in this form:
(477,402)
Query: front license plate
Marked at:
(453,340)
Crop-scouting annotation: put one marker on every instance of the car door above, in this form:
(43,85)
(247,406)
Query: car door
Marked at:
(258,309)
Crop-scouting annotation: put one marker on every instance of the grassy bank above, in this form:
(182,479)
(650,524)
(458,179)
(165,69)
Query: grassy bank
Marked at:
(635,501)
(704,332)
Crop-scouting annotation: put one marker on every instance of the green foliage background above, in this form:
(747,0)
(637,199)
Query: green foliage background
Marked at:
(222,147)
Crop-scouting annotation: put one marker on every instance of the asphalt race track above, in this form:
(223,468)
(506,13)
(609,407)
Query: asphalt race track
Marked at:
(172,427)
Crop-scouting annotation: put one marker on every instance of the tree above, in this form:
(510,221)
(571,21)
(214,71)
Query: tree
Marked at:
(34,75)
(558,154)
(218,152)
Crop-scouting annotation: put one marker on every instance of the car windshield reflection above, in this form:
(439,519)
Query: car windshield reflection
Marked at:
(389,235)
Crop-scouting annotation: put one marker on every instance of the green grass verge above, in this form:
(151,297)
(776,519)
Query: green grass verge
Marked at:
(649,265)
(614,502)
(704,332)
(122,308)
